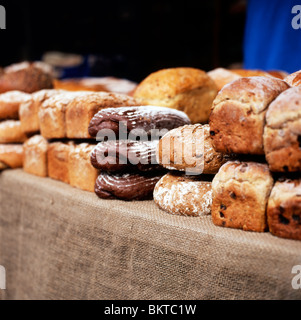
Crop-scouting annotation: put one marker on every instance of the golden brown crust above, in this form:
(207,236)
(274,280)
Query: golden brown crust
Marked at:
(284,209)
(294,79)
(81,172)
(11,156)
(185,89)
(250,73)
(189,148)
(35,156)
(240,195)
(222,76)
(10,132)
(10,103)
(184,195)
(282,133)
(82,109)
(238,114)
(278,74)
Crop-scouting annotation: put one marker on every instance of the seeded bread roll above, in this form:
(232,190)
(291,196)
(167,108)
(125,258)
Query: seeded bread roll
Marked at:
(240,195)
(28,77)
(294,79)
(238,114)
(11,156)
(284,209)
(127,187)
(282,133)
(10,132)
(82,109)
(10,103)
(35,156)
(184,195)
(186,89)
(189,148)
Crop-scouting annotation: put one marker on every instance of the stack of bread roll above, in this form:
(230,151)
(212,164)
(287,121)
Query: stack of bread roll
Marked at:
(126,155)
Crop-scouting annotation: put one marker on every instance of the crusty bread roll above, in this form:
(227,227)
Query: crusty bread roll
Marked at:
(10,132)
(282,133)
(35,156)
(238,114)
(10,103)
(240,195)
(82,109)
(184,195)
(186,89)
(294,79)
(278,74)
(11,156)
(58,156)
(189,148)
(28,77)
(29,110)
(284,209)
(82,174)
(222,76)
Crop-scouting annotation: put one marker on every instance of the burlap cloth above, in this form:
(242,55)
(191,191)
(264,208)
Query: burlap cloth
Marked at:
(62,243)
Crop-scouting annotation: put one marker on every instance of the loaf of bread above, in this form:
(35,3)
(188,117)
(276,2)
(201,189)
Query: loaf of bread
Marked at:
(282,133)
(184,195)
(125,156)
(186,89)
(222,76)
(127,187)
(250,73)
(35,156)
(10,132)
(82,174)
(29,110)
(28,77)
(278,74)
(294,79)
(58,156)
(240,195)
(144,120)
(82,109)
(189,148)
(10,103)
(284,209)
(11,156)
(238,114)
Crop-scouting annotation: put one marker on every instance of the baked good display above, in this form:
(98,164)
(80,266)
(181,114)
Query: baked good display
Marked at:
(105,84)
(58,161)
(189,148)
(82,174)
(186,89)
(137,120)
(35,156)
(127,187)
(282,133)
(10,103)
(29,110)
(184,195)
(238,114)
(11,156)
(240,195)
(294,79)
(284,209)
(82,109)
(28,77)
(10,132)
(125,155)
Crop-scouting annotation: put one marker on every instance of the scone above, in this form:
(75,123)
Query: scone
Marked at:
(10,132)
(186,89)
(238,114)
(240,195)
(189,148)
(10,103)
(35,156)
(282,133)
(11,156)
(284,209)
(82,174)
(184,195)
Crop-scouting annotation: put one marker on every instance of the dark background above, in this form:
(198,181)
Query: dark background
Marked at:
(129,39)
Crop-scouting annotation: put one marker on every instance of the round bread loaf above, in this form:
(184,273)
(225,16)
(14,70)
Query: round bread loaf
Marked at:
(187,89)
(128,187)
(184,195)
(222,76)
(189,148)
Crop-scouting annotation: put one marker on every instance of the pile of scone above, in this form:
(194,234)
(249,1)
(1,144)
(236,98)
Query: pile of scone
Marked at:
(226,143)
